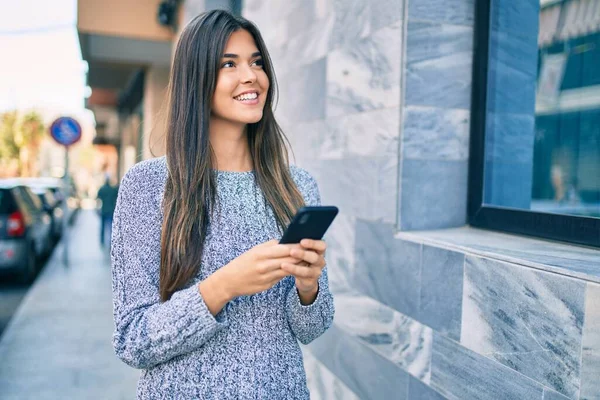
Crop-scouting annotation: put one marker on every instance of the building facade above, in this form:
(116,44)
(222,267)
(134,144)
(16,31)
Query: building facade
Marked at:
(128,53)
(441,288)
(377,99)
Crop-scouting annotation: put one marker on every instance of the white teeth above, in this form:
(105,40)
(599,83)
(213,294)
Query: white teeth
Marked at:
(247,96)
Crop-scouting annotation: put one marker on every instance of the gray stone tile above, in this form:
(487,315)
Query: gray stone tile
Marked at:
(435,134)
(323,7)
(509,138)
(456,12)
(508,184)
(417,390)
(516,18)
(309,43)
(217,5)
(303,93)
(267,13)
(340,258)
(306,140)
(373,377)
(590,360)
(512,74)
(552,395)
(530,321)
(402,340)
(562,258)
(365,75)
(336,178)
(438,67)
(301,14)
(387,188)
(369,180)
(432,194)
(458,373)
(191,10)
(352,22)
(373,133)
(385,12)
(322,383)
(387,269)
(441,290)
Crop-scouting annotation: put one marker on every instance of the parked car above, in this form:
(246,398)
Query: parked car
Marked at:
(62,194)
(53,208)
(25,236)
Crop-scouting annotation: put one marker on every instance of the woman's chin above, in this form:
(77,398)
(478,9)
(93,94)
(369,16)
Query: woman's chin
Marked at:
(252,119)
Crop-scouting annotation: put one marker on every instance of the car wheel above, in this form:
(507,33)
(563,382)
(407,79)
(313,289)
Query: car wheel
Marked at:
(27,274)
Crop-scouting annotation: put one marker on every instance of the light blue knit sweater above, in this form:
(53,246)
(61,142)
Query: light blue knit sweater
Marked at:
(250,350)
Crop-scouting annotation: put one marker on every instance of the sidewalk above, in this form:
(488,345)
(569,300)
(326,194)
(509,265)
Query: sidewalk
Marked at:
(58,344)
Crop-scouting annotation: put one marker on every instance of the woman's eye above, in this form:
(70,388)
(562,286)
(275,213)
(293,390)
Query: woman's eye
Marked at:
(258,63)
(228,64)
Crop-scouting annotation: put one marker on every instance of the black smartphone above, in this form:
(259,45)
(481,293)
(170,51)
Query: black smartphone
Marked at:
(309,223)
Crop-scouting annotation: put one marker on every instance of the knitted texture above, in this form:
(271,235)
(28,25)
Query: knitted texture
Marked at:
(250,350)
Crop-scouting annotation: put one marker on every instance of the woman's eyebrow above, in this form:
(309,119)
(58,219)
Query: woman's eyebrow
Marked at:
(231,55)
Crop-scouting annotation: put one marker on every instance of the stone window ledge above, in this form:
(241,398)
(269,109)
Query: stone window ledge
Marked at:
(558,257)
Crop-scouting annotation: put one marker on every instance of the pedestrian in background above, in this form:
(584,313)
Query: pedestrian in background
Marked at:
(206,301)
(107,195)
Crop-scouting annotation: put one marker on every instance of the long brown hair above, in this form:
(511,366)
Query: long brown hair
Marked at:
(190,190)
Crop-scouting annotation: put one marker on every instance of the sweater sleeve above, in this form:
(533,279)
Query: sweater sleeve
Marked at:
(149,332)
(308,322)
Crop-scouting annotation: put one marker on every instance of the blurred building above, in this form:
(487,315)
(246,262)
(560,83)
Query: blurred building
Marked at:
(433,125)
(128,52)
(128,47)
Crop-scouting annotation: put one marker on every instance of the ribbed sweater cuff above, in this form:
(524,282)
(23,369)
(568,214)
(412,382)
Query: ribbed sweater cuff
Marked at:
(296,305)
(200,312)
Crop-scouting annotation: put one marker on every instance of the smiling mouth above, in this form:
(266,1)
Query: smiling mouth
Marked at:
(247,97)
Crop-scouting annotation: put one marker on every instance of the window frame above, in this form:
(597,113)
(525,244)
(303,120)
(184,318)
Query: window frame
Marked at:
(565,228)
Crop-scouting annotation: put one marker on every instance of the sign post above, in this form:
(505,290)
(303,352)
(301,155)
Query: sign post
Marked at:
(66,131)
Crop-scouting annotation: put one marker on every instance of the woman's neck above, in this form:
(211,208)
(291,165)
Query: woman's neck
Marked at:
(230,145)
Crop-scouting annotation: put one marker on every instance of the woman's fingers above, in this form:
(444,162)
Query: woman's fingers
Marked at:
(300,271)
(275,264)
(317,245)
(276,251)
(278,275)
(309,256)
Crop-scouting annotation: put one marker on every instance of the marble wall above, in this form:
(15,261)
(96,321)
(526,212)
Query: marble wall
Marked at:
(435,124)
(375,99)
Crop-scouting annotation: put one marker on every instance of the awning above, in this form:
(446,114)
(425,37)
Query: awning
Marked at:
(568,20)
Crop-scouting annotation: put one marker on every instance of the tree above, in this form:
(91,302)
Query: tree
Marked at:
(8,125)
(29,137)
(20,139)
(9,151)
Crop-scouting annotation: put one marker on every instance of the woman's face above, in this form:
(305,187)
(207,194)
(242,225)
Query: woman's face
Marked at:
(242,83)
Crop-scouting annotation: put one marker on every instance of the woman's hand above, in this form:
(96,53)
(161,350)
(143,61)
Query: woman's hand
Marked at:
(256,270)
(309,264)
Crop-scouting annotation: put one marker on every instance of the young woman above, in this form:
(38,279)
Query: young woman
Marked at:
(206,302)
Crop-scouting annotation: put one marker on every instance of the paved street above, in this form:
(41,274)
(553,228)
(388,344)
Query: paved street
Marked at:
(58,344)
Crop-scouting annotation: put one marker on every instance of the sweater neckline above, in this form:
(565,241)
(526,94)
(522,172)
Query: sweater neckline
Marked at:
(233,173)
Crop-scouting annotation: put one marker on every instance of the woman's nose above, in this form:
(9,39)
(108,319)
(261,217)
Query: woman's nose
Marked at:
(247,75)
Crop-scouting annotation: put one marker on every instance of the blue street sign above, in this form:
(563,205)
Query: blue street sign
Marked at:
(66,131)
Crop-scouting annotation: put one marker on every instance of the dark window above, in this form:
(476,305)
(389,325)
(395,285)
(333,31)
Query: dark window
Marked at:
(535,134)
